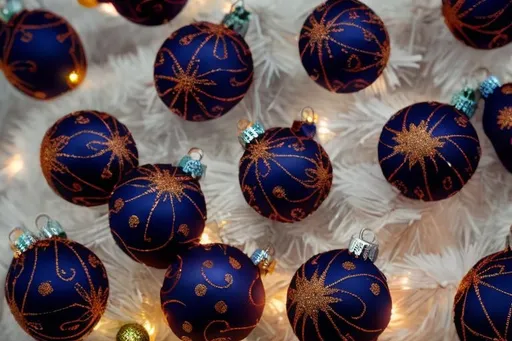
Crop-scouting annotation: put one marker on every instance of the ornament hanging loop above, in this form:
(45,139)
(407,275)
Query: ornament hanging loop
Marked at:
(238,18)
(306,127)
(50,228)
(191,163)
(364,248)
(308,115)
(21,240)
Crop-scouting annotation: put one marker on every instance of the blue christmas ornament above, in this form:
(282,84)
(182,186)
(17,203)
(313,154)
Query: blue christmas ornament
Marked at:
(497,118)
(85,154)
(156,212)
(340,295)
(483,300)
(482,24)
(203,70)
(284,174)
(56,289)
(149,12)
(212,292)
(429,151)
(42,73)
(344,46)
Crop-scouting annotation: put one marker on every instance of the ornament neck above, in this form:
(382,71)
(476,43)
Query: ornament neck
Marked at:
(50,228)
(10,9)
(465,101)
(361,247)
(307,125)
(249,131)
(489,85)
(238,18)
(264,260)
(191,163)
(21,240)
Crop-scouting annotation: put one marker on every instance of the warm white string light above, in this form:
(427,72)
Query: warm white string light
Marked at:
(14,165)
(108,9)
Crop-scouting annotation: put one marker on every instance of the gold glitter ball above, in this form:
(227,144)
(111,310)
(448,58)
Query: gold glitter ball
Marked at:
(132,332)
(201,290)
(45,289)
(221,307)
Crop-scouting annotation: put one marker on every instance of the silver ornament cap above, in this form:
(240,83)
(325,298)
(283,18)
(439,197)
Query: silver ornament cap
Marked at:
(50,228)
(361,247)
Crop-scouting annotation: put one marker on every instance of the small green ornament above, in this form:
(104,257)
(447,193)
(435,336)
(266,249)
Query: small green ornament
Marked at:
(132,332)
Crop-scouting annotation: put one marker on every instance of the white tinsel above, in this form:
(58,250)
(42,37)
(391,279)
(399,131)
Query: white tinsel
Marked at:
(426,248)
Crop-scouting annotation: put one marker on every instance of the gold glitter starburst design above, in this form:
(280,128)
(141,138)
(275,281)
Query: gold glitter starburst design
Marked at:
(505,118)
(27,31)
(456,15)
(312,297)
(92,302)
(167,186)
(53,155)
(321,39)
(189,85)
(478,278)
(418,143)
(261,156)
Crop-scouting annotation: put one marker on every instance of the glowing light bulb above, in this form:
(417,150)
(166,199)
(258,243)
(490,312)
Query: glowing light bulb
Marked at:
(405,283)
(309,115)
(227,7)
(14,165)
(98,326)
(108,9)
(205,238)
(149,328)
(73,77)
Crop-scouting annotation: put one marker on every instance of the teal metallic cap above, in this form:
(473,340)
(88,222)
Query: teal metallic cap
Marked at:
(465,101)
(50,228)
(488,86)
(21,240)
(264,259)
(249,131)
(238,18)
(11,8)
(191,163)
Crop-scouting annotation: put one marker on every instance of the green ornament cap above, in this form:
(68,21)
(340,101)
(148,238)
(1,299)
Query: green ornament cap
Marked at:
(238,18)
(191,163)
(51,228)
(21,240)
(249,131)
(11,8)
(465,101)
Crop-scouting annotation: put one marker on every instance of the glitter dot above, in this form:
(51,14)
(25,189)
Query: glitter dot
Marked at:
(133,221)
(221,307)
(349,266)
(375,289)
(208,264)
(45,289)
(200,290)
(187,327)
(234,263)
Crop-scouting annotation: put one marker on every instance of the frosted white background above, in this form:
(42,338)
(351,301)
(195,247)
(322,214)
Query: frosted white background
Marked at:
(426,248)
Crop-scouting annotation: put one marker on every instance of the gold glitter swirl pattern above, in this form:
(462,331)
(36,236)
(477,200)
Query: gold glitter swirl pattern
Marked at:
(477,24)
(276,149)
(23,28)
(187,327)
(200,290)
(68,319)
(506,89)
(221,307)
(133,221)
(485,282)
(320,307)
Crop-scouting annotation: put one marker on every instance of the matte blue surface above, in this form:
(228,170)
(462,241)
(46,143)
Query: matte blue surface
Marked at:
(482,24)
(344,46)
(39,51)
(497,122)
(85,154)
(149,12)
(212,292)
(429,151)
(335,296)
(483,300)
(156,212)
(203,70)
(285,175)
(58,290)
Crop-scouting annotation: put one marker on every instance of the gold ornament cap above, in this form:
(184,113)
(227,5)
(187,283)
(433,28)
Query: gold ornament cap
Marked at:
(132,332)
